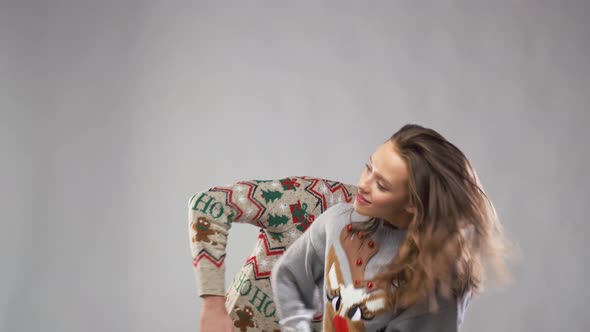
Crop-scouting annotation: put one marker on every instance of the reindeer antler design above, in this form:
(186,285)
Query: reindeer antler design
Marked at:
(359,248)
(351,301)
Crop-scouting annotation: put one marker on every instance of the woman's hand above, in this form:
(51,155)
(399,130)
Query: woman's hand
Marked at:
(214,316)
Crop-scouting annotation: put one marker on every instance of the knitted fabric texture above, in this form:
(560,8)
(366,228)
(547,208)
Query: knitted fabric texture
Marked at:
(283,209)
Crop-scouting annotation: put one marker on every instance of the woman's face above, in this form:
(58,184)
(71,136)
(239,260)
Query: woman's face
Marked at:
(383,185)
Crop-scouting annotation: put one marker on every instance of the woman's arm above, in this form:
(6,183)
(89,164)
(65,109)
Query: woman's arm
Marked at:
(276,205)
(271,204)
(211,213)
(298,273)
(448,318)
(214,315)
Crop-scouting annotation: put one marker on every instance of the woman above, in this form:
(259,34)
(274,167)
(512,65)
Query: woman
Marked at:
(407,255)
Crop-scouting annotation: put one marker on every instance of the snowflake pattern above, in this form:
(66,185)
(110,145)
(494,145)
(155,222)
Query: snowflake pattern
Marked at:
(263,263)
(243,200)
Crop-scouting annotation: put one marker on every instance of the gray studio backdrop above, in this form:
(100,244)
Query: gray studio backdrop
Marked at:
(115,112)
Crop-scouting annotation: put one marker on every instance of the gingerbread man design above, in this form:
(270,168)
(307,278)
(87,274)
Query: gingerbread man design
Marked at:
(244,320)
(203,231)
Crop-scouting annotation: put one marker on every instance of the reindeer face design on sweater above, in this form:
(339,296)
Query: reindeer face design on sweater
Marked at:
(351,302)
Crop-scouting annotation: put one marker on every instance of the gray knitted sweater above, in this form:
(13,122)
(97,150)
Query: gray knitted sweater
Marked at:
(332,261)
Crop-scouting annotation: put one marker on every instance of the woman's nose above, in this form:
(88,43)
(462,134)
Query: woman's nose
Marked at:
(363,186)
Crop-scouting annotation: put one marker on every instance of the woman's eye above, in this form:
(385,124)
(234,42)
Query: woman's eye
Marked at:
(367,166)
(380,186)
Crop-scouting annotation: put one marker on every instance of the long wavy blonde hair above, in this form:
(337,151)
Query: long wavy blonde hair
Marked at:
(455,234)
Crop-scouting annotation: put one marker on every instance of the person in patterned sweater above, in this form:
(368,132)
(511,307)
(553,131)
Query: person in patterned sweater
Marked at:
(282,209)
(406,255)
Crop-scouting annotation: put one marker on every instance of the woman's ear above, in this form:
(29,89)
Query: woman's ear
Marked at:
(410,209)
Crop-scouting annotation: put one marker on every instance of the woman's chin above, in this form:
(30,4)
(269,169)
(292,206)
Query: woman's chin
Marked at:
(361,209)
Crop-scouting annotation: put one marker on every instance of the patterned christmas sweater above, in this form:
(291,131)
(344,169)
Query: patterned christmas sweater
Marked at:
(282,209)
(332,255)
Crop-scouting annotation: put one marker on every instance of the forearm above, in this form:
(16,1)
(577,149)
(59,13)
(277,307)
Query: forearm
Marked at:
(208,229)
(294,306)
(419,319)
(213,301)
(295,277)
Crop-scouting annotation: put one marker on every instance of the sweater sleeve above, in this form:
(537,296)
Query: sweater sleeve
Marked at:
(211,213)
(448,318)
(298,273)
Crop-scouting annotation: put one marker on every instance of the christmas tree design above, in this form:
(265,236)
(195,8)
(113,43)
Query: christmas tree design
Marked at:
(271,195)
(276,236)
(276,220)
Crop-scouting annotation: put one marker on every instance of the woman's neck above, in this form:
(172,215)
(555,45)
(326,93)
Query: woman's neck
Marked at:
(399,222)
